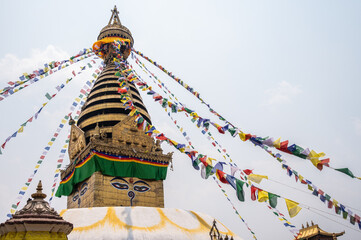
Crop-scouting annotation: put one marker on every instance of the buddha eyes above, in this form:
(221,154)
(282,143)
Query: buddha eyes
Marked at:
(141,188)
(121,186)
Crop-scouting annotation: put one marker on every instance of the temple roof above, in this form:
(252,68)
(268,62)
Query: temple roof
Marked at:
(36,215)
(140,223)
(315,230)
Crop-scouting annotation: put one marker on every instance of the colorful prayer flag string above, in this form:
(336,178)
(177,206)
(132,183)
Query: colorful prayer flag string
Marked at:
(291,205)
(190,144)
(35,116)
(293,149)
(165,104)
(83,92)
(37,75)
(48,147)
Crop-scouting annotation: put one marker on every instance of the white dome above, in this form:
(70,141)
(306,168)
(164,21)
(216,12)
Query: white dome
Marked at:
(140,223)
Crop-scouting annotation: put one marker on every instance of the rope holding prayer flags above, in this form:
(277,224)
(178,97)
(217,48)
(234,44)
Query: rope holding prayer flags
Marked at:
(35,116)
(165,103)
(174,108)
(154,133)
(83,92)
(293,149)
(37,75)
(47,148)
(188,139)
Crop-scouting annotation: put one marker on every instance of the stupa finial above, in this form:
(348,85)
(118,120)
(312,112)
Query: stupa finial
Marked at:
(114,17)
(39,192)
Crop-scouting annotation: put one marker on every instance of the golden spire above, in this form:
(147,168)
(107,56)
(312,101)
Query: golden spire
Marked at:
(114,17)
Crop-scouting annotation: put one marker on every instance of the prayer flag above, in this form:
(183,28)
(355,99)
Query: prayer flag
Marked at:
(47,95)
(256,178)
(292,207)
(345,171)
(272,199)
(262,196)
(240,192)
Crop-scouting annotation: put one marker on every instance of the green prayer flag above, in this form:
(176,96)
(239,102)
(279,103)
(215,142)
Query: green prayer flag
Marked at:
(328,197)
(272,199)
(344,214)
(240,192)
(117,74)
(232,131)
(209,169)
(309,187)
(47,95)
(345,171)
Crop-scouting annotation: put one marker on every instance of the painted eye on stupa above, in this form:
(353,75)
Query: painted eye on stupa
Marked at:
(121,186)
(141,186)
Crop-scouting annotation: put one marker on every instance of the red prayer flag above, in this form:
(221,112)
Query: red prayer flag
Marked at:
(253,193)
(221,176)
(247,171)
(283,147)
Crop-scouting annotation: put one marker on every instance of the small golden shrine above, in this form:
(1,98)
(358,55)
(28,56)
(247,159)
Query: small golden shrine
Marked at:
(314,232)
(37,220)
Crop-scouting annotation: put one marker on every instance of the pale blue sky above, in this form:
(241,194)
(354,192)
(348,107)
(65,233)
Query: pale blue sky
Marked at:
(288,69)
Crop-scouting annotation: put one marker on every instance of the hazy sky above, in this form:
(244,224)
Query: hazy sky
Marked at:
(288,69)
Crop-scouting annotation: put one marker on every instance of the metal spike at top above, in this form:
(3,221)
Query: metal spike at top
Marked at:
(114,28)
(114,17)
(39,192)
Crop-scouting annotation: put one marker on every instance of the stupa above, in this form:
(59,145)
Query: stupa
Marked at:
(114,182)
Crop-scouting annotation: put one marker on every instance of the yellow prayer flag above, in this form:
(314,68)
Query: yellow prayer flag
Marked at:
(335,203)
(242,136)
(21,129)
(16,90)
(50,143)
(12,211)
(37,166)
(132,112)
(63,121)
(277,143)
(45,104)
(194,114)
(256,178)
(209,160)
(315,161)
(24,188)
(292,207)
(65,146)
(57,170)
(41,76)
(77,99)
(262,196)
